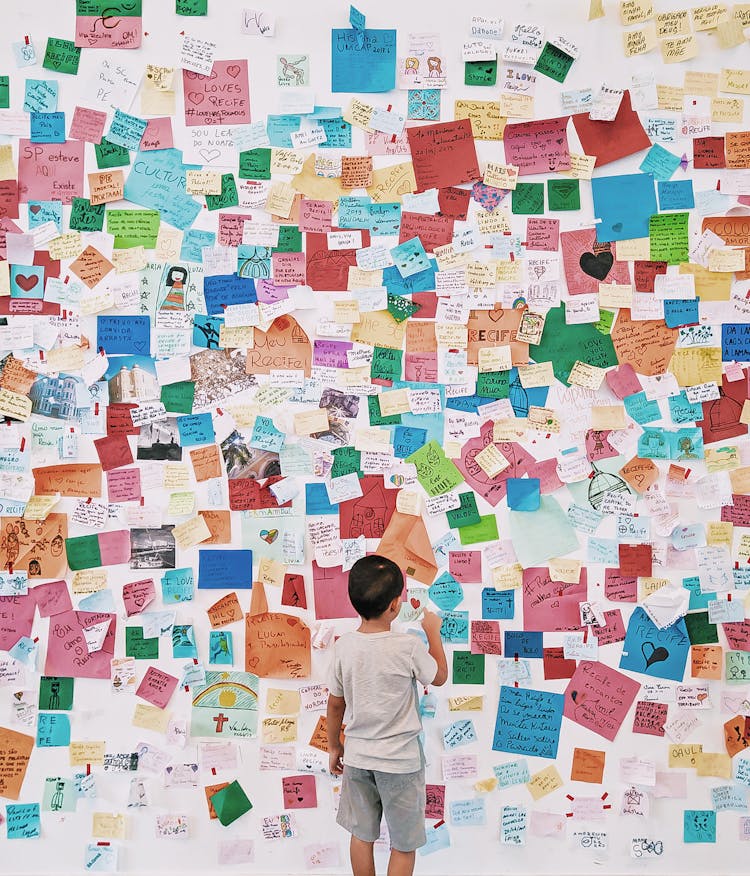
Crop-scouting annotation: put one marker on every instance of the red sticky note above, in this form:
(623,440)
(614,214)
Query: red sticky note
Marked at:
(613,630)
(299,792)
(157,687)
(623,380)
(540,146)
(50,171)
(443,154)
(542,234)
(466,566)
(113,451)
(328,270)
(16,619)
(599,697)
(650,718)
(636,560)
(556,665)
(552,606)
(331,590)
(454,202)
(435,804)
(158,134)
(52,598)
(88,124)
(610,141)
(124,485)
(137,595)
(66,657)
(293,591)
(486,637)
(222,98)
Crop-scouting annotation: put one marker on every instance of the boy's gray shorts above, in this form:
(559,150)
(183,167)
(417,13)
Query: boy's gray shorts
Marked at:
(367,795)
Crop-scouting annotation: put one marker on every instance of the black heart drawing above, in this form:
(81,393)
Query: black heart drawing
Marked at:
(597,266)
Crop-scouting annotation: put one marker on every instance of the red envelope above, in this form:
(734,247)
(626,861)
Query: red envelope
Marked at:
(610,141)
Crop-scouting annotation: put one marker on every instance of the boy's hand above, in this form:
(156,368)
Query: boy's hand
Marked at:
(335,760)
(431,623)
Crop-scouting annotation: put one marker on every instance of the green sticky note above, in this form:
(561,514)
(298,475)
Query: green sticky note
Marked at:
(290,239)
(528,199)
(85,216)
(230,803)
(401,308)
(668,234)
(62,56)
(110,8)
(699,630)
(134,227)
(191,7)
(228,196)
(435,471)
(564,194)
(468,668)
(605,322)
(376,418)
(480,72)
(110,155)
(553,62)
(485,530)
(138,647)
(386,363)
(493,384)
(563,344)
(255,164)
(346,460)
(55,693)
(83,552)
(4,92)
(538,536)
(177,398)
(466,514)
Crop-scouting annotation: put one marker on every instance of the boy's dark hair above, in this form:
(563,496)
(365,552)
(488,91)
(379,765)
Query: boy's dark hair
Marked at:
(374,582)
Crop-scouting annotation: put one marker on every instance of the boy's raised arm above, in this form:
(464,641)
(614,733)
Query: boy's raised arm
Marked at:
(431,626)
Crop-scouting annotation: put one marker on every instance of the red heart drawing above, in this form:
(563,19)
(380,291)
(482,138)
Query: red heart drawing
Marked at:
(233,70)
(415,603)
(26,283)
(35,208)
(196,97)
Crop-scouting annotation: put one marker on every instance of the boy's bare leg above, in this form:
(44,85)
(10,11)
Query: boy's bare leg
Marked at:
(401,863)
(362,857)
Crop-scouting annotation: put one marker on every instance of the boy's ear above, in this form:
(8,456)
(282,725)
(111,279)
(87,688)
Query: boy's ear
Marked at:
(396,604)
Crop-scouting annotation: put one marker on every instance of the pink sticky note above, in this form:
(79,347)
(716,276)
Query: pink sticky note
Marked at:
(551,606)
(542,234)
(50,171)
(315,215)
(67,654)
(598,697)
(124,485)
(540,146)
(16,619)
(466,566)
(613,631)
(299,792)
(87,124)
(118,33)
(486,637)
(137,595)
(158,134)
(435,802)
(114,547)
(623,380)
(223,98)
(157,687)
(52,598)
(330,586)
(546,471)
(231,226)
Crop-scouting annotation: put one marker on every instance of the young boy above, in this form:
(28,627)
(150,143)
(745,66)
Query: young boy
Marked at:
(374,679)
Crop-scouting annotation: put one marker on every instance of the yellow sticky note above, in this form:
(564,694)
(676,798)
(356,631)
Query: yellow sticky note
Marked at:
(191,532)
(202,182)
(276,731)
(540,374)
(491,461)
(719,533)
(148,717)
(108,825)
(635,11)
(282,702)
(608,417)
(83,753)
(544,782)
(696,365)
(308,422)
(508,577)
(271,571)
(684,756)
(501,176)
(394,402)
(466,704)
(39,507)
(717,764)
(7,164)
(565,570)
(678,49)
(484,786)
(734,80)
(346,311)
(88,581)
(639,41)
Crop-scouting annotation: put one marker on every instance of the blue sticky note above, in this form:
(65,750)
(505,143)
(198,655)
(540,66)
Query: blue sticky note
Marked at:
(514,772)
(468,812)
(183,641)
(102,601)
(497,604)
(196,429)
(338,133)
(681,311)
(624,204)
(741,579)
(224,289)
(207,331)
(157,181)
(220,649)
(446,592)
(675,194)
(354,211)
(363,60)
(459,733)
(697,599)
(406,440)
(455,626)
(384,219)
(266,436)
(45,211)
(26,281)
(52,730)
(47,127)
(654,652)
(528,722)
(193,242)
(225,569)
(316,500)
(177,585)
(659,163)
(699,826)
(281,128)
(735,342)
(437,839)
(641,409)
(24,651)
(22,820)
(524,494)
(123,335)
(356,18)
(40,96)
(683,411)
(410,257)
(424,281)
(126,130)
(524,643)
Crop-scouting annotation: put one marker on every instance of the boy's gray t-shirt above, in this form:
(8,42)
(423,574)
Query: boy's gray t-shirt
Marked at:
(377,675)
